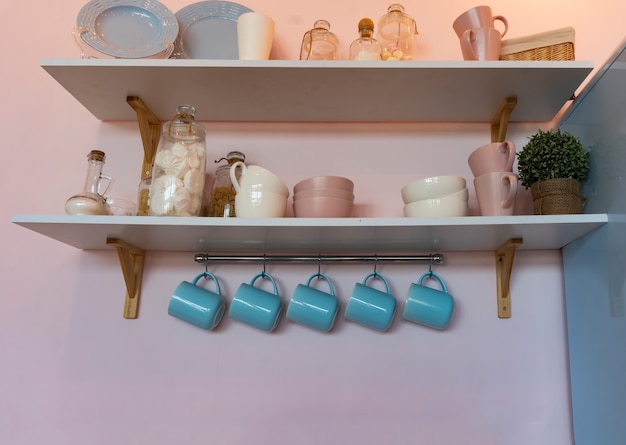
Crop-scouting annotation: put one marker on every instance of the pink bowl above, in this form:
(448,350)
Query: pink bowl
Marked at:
(325,192)
(322,207)
(317,182)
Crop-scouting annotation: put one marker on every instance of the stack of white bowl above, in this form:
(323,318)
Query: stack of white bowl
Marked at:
(437,196)
(323,197)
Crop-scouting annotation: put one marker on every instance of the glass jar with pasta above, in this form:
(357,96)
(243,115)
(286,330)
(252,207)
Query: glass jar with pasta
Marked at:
(222,201)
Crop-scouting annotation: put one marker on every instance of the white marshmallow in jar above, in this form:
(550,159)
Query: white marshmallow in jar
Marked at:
(179,167)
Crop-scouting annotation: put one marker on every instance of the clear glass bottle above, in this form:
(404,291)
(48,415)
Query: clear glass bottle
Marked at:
(366,47)
(92,200)
(179,168)
(222,202)
(319,43)
(396,33)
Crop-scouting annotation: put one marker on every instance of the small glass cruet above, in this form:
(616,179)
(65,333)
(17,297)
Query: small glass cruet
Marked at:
(366,47)
(92,200)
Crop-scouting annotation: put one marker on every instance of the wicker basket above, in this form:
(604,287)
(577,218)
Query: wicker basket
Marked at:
(550,45)
(557,197)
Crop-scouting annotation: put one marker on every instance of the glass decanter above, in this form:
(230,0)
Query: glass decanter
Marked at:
(92,200)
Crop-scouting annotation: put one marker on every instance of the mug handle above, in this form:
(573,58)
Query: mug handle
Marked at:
(512,178)
(324,277)
(431,274)
(265,275)
(218,290)
(377,275)
(233,176)
(509,148)
(504,22)
(467,38)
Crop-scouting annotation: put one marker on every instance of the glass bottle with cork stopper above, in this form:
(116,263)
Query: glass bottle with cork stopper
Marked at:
(92,200)
(222,201)
(396,33)
(366,47)
(319,43)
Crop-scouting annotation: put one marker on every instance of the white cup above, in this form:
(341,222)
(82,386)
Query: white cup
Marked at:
(255,34)
(254,177)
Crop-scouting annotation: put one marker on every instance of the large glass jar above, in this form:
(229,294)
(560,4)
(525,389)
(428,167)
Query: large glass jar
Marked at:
(179,167)
(365,47)
(319,43)
(222,202)
(396,33)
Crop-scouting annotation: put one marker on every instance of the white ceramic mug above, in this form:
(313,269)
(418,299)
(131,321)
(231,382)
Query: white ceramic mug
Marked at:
(496,193)
(493,157)
(255,34)
(481,44)
(254,177)
(478,17)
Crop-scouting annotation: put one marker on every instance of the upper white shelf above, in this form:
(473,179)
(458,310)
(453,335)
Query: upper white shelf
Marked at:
(322,91)
(314,235)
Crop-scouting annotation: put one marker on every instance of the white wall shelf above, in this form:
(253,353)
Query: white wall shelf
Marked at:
(322,91)
(313,235)
(496,92)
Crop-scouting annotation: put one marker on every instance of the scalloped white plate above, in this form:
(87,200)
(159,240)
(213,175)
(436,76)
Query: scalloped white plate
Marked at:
(128,29)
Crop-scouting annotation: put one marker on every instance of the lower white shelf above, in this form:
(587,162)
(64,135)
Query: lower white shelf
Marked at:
(314,235)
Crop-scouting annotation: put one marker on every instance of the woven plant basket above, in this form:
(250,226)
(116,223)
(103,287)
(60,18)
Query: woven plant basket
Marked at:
(557,197)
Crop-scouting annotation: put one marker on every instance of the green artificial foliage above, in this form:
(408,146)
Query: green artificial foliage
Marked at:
(552,154)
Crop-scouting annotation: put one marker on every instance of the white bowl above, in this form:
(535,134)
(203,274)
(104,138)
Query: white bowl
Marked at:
(462,194)
(260,204)
(433,187)
(436,207)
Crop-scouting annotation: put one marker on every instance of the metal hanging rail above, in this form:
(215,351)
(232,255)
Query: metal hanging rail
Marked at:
(433,258)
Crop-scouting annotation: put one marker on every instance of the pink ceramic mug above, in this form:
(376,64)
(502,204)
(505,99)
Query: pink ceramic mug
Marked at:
(496,193)
(493,157)
(481,44)
(478,17)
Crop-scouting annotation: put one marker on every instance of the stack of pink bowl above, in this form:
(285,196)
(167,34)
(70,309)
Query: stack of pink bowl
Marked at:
(437,196)
(323,197)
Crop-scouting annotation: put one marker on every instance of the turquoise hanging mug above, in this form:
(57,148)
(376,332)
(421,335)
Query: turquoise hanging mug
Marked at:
(429,306)
(196,305)
(255,306)
(371,307)
(312,307)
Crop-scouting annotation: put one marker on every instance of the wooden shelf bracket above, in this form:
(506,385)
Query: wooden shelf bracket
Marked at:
(504,266)
(131,259)
(150,129)
(500,121)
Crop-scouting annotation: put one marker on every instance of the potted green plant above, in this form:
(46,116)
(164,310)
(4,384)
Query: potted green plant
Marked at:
(554,164)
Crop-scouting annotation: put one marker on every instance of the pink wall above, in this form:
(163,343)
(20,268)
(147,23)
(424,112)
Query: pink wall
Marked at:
(73,371)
